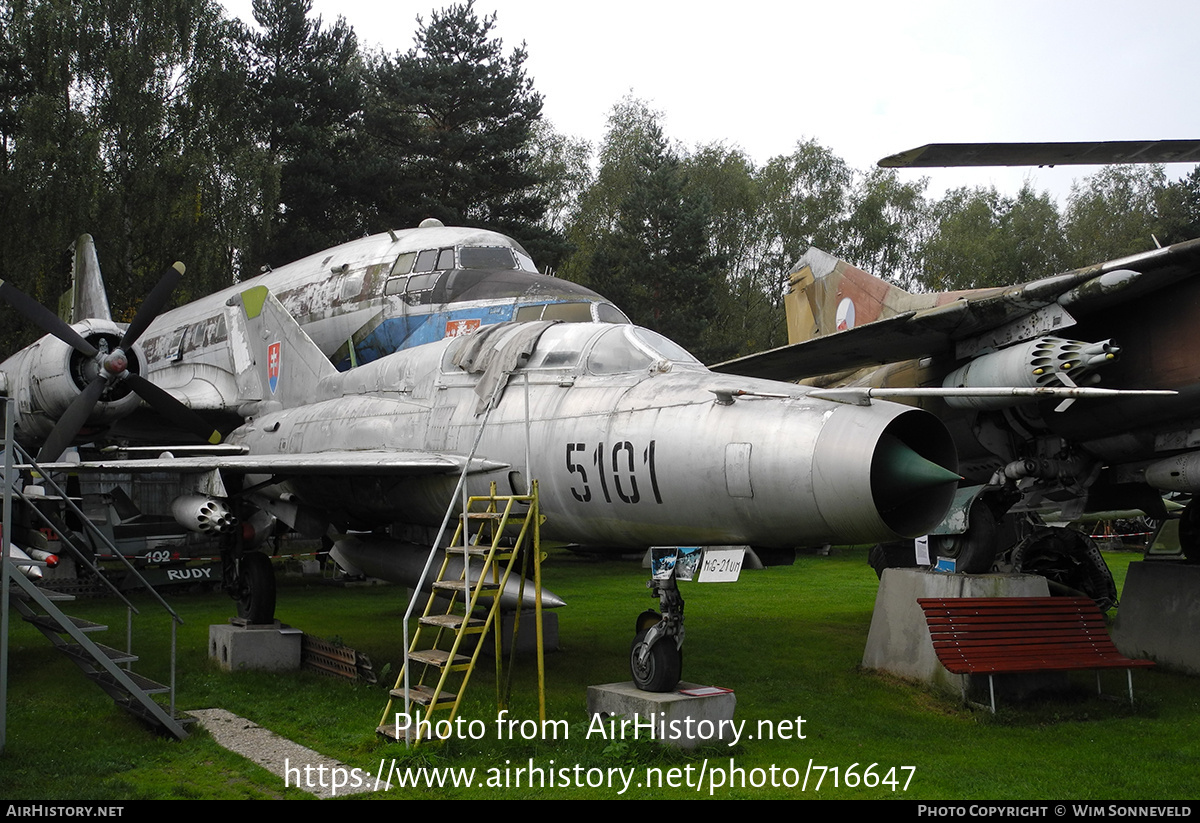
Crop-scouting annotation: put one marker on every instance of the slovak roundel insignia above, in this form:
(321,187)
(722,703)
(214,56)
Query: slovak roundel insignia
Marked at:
(273,366)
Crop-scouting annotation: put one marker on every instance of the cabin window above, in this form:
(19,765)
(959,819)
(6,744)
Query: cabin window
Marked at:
(352,285)
(177,346)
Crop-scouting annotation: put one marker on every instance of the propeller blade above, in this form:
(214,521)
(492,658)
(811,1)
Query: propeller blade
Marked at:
(153,304)
(72,421)
(45,319)
(171,408)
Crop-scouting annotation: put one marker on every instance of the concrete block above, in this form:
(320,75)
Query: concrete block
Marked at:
(271,647)
(1159,616)
(671,718)
(899,642)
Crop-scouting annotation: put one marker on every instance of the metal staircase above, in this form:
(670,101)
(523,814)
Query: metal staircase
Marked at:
(130,691)
(99,663)
(465,601)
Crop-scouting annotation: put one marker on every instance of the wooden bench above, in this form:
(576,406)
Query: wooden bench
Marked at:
(1001,635)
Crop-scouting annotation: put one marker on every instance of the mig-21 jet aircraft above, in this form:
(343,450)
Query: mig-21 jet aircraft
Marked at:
(634,443)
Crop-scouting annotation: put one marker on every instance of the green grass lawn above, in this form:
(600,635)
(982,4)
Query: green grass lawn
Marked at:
(788,640)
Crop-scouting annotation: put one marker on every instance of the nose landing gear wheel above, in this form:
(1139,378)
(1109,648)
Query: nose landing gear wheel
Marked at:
(257,601)
(659,668)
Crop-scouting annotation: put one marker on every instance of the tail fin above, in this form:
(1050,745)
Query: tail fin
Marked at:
(277,364)
(87,299)
(828,295)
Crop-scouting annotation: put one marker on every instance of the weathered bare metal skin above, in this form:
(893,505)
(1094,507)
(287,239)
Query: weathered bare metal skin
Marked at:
(627,458)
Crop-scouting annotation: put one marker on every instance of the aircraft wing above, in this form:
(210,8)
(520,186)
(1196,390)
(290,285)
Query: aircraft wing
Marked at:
(944,155)
(385,463)
(976,321)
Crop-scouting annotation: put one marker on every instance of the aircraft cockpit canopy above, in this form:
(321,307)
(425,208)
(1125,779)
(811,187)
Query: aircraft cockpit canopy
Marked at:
(615,350)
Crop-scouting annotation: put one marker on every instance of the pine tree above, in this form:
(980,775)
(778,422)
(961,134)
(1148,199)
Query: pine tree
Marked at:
(656,261)
(308,78)
(457,118)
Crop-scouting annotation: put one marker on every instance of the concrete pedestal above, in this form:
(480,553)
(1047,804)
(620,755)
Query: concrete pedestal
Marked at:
(1159,615)
(671,718)
(899,640)
(271,647)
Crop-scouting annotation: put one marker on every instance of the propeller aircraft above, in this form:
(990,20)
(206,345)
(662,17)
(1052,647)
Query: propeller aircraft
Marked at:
(358,301)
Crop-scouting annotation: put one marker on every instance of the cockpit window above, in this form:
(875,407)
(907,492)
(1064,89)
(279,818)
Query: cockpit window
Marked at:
(608,313)
(666,348)
(614,353)
(485,257)
(426,260)
(525,262)
(403,264)
(632,348)
(420,287)
(560,347)
(567,312)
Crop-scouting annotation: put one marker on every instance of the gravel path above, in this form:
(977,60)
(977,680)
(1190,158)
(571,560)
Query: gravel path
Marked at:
(275,753)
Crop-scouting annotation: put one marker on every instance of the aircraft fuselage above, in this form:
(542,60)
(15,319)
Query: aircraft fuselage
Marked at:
(633,442)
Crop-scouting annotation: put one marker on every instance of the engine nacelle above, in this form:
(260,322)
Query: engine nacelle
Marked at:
(1034,364)
(47,376)
(203,514)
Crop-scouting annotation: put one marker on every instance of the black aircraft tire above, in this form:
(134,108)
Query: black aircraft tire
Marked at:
(663,667)
(974,551)
(647,619)
(257,601)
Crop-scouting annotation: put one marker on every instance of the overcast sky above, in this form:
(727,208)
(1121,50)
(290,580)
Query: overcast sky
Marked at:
(866,79)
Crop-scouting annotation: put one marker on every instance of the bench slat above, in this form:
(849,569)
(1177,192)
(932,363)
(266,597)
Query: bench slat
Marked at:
(975,635)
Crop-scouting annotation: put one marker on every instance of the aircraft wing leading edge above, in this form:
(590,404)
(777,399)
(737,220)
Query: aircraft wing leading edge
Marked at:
(946,155)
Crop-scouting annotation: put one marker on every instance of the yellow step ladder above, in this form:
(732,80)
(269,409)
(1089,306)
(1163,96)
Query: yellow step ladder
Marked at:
(454,610)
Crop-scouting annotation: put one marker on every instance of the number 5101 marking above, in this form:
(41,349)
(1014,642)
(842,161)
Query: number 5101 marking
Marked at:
(615,469)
